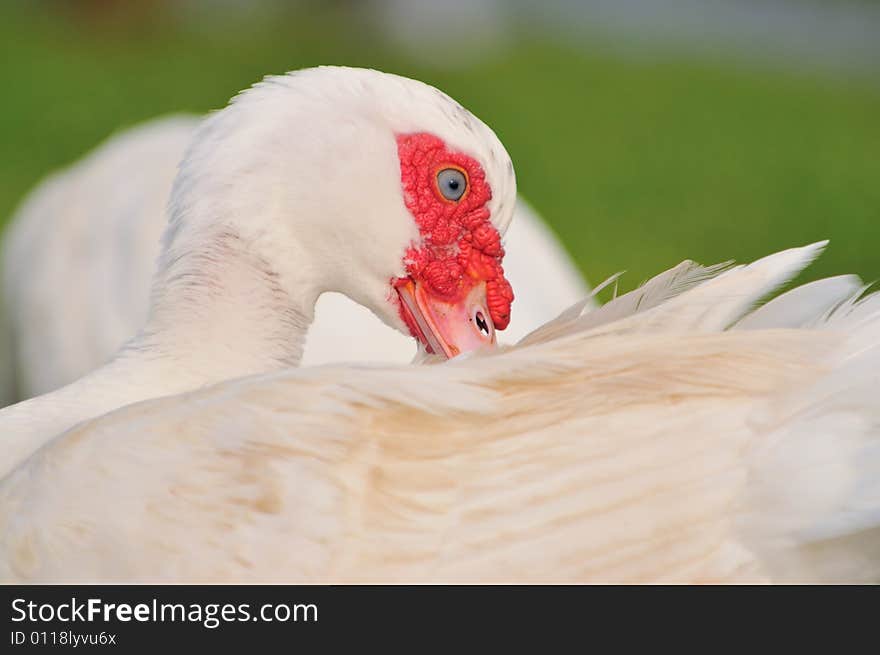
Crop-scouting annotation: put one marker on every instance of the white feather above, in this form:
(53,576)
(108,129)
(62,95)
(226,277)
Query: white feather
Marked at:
(646,454)
(648,442)
(72,308)
(655,291)
(802,305)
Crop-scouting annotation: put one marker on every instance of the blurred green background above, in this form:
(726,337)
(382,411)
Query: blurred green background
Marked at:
(639,154)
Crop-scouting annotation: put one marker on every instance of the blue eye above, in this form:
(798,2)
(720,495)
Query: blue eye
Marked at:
(452,183)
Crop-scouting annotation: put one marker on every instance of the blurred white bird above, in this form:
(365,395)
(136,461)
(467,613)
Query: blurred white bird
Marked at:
(673,435)
(80,254)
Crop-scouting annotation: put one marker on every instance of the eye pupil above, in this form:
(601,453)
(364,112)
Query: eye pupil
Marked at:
(452,183)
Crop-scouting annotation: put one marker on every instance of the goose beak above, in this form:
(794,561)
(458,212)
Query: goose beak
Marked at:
(443,326)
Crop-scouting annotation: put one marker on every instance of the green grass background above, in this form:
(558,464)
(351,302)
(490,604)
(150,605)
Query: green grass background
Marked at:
(637,163)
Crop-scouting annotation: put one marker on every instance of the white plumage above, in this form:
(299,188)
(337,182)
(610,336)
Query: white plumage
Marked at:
(80,253)
(672,435)
(654,448)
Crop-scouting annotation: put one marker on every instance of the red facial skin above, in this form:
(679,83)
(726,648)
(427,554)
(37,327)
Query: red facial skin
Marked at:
(459,246)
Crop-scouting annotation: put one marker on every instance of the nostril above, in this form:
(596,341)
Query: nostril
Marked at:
(482,324)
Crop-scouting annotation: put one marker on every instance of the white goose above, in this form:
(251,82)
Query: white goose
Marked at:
(80,253)
(639,442)
(395,198)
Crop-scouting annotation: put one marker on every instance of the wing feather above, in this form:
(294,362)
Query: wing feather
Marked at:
(671,450)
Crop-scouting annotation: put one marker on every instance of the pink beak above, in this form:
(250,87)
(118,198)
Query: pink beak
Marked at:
(443,326)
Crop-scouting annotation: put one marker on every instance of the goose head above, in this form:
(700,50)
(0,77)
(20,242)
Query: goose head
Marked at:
(373,185)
